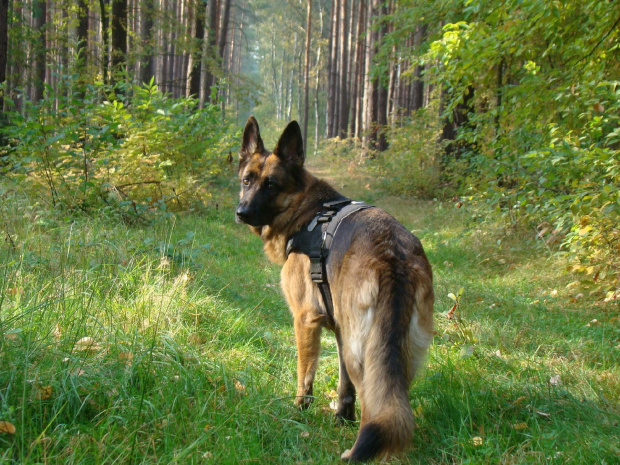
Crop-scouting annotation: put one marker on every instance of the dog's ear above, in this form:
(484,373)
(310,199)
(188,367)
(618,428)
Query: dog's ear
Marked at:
(290,147)
(252,141)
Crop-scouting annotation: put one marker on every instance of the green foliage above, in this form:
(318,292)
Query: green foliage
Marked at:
(147,153)
(412,163)
(542,140)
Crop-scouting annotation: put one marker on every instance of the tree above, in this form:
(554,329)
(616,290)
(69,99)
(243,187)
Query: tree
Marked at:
(195,65)
(307,75)
(39,23)
(4,45)
(119,37)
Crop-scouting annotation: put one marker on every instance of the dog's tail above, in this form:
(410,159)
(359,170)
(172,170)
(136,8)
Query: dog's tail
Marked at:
(395,349)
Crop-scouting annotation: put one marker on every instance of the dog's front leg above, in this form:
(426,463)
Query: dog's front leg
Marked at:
(308,336)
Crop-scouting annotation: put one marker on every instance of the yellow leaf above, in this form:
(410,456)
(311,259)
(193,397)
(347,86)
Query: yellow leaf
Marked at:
(7,427)
(477,441)
(207,427)
(304,434)
(418,412)
(520,426)
(44,393)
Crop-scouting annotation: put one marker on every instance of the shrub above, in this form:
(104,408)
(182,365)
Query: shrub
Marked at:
(148,153)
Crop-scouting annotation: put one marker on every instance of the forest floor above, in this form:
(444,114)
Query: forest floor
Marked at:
(171,343)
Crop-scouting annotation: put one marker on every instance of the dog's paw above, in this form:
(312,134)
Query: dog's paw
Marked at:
(346,455)
(346,410)
(303,402)
(345,414)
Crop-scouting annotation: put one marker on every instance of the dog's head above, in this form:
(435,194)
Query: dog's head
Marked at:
(268,179)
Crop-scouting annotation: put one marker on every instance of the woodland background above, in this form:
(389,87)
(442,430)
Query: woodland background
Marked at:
(140,324)
(514,103)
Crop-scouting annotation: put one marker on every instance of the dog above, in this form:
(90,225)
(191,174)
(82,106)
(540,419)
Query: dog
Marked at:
(380,282)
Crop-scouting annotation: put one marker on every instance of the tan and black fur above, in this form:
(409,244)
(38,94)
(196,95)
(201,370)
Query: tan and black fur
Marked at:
(380,280)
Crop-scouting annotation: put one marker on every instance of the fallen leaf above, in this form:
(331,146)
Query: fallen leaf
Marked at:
(207,427)
(239,387)
(543,414)
(418,412)
(207,455)
(7,427)
(555,380)
(520,426)
(125,357)
(477,441)
(57,331)
(44,393)
(196,339)
(87,344)
(304,434)
(333,405)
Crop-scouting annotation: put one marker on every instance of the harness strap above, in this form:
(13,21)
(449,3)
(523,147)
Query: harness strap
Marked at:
(316,243)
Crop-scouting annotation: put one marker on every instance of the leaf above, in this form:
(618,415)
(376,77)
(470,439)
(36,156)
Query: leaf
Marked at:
(555,380)
(7,427)
(520,426)
(477,441)
(44,393)
(466,351)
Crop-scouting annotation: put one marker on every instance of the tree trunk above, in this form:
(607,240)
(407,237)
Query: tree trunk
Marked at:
(119,36)
(418,83)
(197,49)
(147,62)
(4,45)
(82,31)
(212,14)
(343,110)
(332,73)
(40,16)
(105,38)
(307,75)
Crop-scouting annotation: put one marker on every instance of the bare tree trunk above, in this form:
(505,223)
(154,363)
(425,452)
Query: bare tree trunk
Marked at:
(40,17)
(307,75)
(368,135)
(212,14)
(119,36)
(197,49)
(105,36)
(343,110)
(418,83)
(332,73)
(148,62)
(4,45)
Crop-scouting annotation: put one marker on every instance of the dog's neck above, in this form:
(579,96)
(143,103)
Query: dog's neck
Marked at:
(303,208)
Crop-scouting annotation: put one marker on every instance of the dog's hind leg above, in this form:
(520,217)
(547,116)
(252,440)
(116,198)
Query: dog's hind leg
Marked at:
(346,389)
(308,337)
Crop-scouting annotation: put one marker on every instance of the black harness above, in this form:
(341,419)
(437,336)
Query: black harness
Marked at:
(316,242)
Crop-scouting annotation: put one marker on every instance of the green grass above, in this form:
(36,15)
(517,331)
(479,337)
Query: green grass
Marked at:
(192,355)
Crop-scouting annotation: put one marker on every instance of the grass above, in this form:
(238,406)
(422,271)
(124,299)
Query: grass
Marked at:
(171,343)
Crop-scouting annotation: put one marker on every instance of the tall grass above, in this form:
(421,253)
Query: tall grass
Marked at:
(171,343)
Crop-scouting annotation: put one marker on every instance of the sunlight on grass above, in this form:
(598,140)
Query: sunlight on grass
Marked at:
(172,344)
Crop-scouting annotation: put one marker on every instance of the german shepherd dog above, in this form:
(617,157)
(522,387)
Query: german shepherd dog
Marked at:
(381,286)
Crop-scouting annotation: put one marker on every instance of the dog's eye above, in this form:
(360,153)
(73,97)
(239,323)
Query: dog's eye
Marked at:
(272,186)
(246,181)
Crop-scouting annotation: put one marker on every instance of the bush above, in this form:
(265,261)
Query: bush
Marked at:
(84,150)
(412,163)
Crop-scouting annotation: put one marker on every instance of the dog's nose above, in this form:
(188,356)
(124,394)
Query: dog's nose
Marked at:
(242,214)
